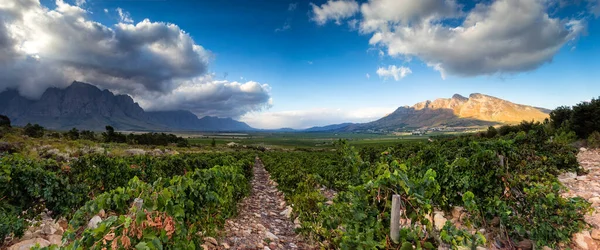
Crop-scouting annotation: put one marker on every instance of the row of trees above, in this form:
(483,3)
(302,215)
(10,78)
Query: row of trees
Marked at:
(582,119)
(110,135)
(143,139)
(566,124)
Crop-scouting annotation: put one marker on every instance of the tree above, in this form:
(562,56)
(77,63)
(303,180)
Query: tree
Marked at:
(73,134)
(88,135)
(213,143)
(4,121)
(111,136)
(491,132)
(586,118)
(560,117)
(35,130)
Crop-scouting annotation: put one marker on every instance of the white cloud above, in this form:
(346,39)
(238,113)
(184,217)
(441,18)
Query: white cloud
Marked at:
(206,96)
(309,62)
(368,76)
(394,72)
(383,14)
(80,2)
(292,6)
(41,48)
(105,10)
(124,16)
(494,37)
(301,119)
(333,10)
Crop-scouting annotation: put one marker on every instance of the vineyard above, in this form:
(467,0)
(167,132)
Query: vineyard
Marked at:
(183,197)
(497,189)
(504,193)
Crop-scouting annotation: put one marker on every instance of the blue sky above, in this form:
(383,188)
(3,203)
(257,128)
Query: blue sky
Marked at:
(310,65)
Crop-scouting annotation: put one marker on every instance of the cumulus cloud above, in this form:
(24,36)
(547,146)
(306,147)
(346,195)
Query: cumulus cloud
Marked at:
(494,37)
(207,96)
(301,119)
(41,48)
(394,72)
(383,14)
(335,10)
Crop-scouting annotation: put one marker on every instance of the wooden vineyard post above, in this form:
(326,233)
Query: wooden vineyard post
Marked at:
(395,219)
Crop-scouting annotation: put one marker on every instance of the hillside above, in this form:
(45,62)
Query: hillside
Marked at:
(84,106)
(458,111)
(328,127)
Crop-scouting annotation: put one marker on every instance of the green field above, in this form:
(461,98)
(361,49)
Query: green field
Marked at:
(298,139)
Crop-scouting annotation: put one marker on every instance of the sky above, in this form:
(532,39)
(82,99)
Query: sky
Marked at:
(291,63)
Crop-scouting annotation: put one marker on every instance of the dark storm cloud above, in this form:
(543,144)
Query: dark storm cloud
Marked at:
(42,47)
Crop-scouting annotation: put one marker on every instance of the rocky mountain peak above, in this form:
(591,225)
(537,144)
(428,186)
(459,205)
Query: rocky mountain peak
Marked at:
(459,97)
(85,106)
(458,111)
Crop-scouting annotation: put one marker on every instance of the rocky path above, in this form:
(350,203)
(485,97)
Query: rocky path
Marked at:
(588,187)
(264,219)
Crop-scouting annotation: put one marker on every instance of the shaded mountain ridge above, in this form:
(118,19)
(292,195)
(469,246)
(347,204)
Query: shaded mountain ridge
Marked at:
(85,106)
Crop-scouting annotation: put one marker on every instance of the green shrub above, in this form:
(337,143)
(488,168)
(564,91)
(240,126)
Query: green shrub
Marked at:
(593,140)
(565,137)
(73,134)
(88,135)
(26,184)
(503,177)
(176,213)
(4,121)
(35,130)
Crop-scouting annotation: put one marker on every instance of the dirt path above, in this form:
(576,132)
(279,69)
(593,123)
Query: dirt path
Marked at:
(588,187)
(263,222)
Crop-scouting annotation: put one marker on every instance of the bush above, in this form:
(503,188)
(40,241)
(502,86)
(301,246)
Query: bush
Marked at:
(191,206)
(560,117)
(55,135)
(35,130)
(593,140)
(26,184)
(161,139)
(111,136)
(73,134)
(10,221)
(586,118)
(565,137)
(87,135)
(4,121)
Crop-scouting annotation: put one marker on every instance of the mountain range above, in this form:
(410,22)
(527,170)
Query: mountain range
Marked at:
(85,106)
(458,111)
